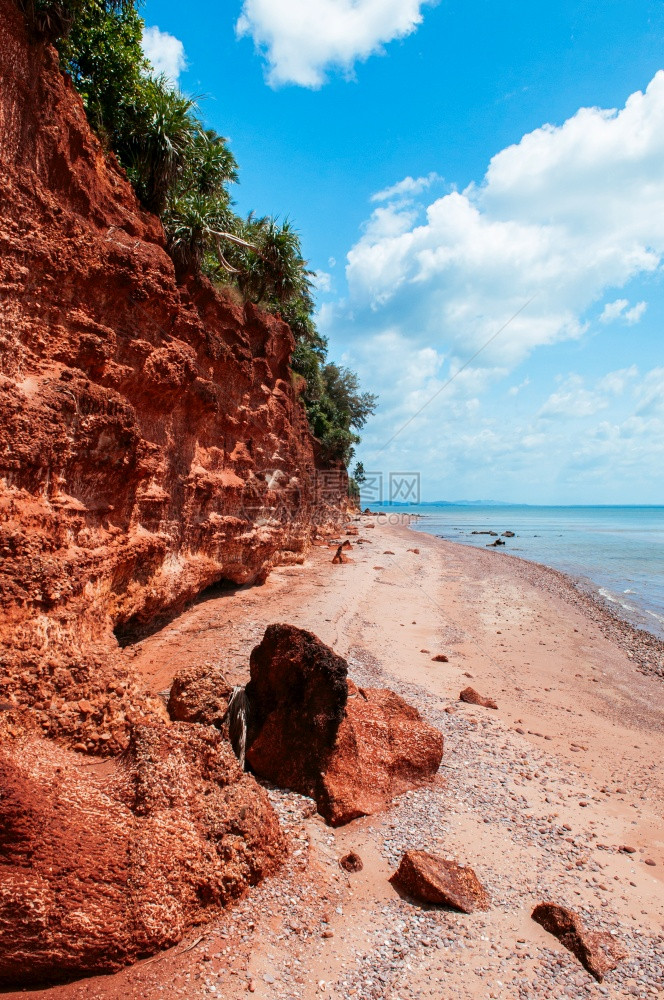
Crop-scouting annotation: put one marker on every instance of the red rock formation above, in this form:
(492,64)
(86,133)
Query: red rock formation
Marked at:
(103,864)
(199,694)
(472,697)
(383,747)
(151,440)
(151,443)
(598,951)
(297,693)
(431,879)
(312,730)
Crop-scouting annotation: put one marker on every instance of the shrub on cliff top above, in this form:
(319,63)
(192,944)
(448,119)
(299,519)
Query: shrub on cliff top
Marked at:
(102,53)
(160,141)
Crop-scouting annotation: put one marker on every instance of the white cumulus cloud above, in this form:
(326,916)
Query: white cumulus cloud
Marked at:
(573,399)
(561,217)
(563,220)
(302,39)
(322,281)
(165,52)
(619,310)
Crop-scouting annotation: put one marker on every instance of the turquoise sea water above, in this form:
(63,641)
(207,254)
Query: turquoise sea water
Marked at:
(618,551)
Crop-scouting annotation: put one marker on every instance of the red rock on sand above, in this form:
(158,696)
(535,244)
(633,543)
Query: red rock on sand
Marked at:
(440,658)
(313,731)
(351,862)
(471,696)
(104,864)
(598,951)
(431,879)
(297,693)
(383,747)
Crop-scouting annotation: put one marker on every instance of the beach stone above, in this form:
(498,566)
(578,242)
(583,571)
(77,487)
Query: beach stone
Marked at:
(199,694)
(598,951)
(351,862)
(313,731)
(431,879)
(472,697)
(383,748)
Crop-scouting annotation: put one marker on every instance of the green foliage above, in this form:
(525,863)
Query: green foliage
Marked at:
(46,19)
(210,166)
(182,171)
(160,142)
(102,54)
(335,406)
(359,475)
(273,272)
(356,481)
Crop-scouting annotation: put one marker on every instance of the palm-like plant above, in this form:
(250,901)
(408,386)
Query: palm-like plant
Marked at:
(211,165)
(48,19)
(53,19)
(275,274)
(198,223)
(165,131)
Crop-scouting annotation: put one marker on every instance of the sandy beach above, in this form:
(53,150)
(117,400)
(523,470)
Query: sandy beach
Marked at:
(540,797)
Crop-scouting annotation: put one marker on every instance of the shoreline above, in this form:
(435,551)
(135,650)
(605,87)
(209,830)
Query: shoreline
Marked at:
(643,615)
(538,797)
(645,645)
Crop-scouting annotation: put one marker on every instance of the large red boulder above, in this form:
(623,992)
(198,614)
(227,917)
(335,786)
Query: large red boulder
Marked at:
(297,693)
(104,863)
(383,747)
(315,732)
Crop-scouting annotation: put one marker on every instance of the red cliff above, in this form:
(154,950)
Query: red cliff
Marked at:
(151,444)
(151,438)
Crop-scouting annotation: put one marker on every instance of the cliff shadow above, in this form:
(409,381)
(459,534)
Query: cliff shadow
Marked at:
(139,627)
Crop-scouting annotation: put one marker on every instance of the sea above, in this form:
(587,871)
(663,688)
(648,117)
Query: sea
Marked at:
(616,552)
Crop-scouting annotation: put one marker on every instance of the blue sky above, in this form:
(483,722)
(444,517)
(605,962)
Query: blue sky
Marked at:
(439,165)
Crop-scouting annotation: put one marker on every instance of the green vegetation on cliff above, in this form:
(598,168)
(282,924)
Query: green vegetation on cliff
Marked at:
(182,172)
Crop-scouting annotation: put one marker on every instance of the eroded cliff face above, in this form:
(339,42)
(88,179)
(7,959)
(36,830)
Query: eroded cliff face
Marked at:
(151,439)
